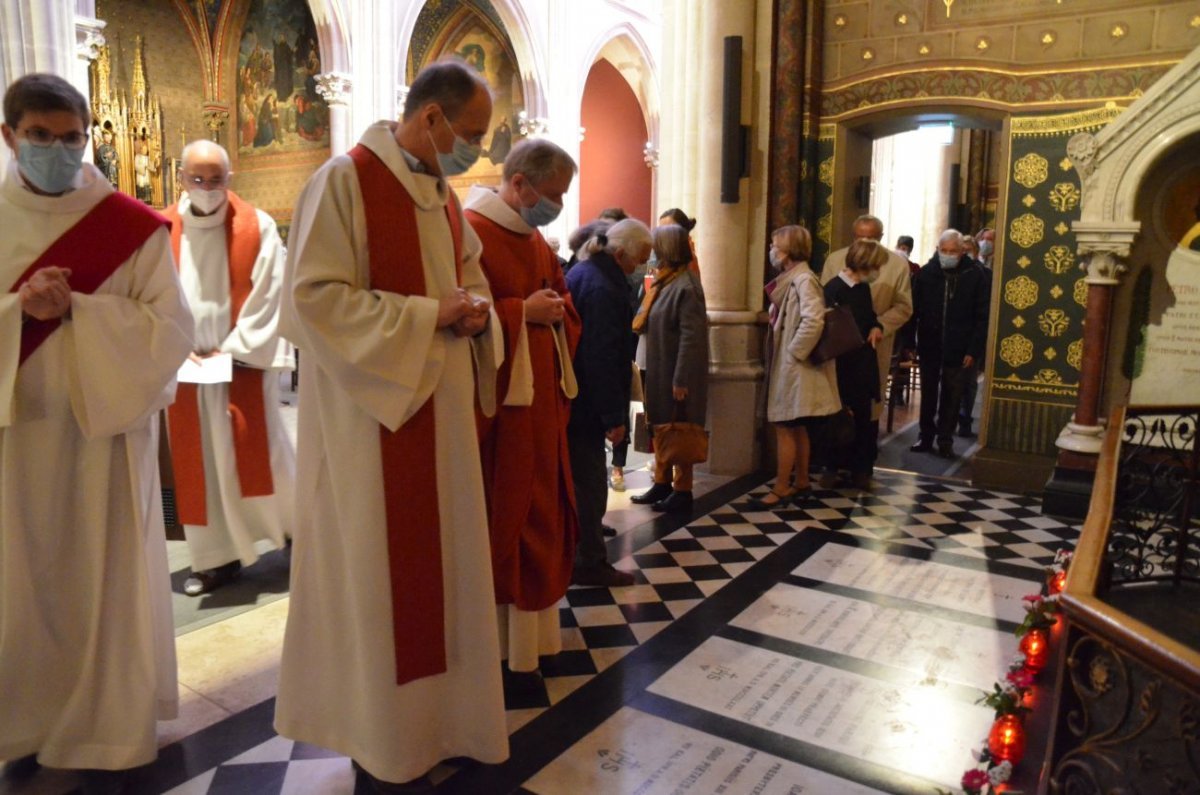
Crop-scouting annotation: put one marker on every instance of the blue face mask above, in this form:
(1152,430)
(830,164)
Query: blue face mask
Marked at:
(541,213)
(52,168)
(948,260)
(460,159)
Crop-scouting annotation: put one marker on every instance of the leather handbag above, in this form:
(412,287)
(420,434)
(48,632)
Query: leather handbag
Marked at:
(840,335)
(680,441)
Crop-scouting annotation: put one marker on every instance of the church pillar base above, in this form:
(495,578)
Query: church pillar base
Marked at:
(735,379)
(1068,492)
(1002,470)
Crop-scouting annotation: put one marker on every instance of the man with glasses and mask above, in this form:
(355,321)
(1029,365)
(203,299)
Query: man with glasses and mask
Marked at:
(891,296)
(391,645)
(233,460)
(531,500)
(93,327)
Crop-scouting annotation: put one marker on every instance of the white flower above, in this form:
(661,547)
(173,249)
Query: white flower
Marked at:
(1000,773)
(1017,663)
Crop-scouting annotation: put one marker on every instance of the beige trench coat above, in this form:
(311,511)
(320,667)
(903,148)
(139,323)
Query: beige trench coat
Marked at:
(796,388)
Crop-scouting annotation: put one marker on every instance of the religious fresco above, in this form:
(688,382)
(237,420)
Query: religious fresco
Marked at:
(473,32)
(1041,295)
(279,111)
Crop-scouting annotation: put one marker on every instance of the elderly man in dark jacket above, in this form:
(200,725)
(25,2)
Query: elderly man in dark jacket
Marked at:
(951,297)
(601,409)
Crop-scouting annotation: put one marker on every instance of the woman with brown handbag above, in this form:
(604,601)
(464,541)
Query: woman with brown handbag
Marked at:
(674,320)
(799,394)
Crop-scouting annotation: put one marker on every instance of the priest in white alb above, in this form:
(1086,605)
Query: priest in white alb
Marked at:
(234,463)
(391,649)
(93,327)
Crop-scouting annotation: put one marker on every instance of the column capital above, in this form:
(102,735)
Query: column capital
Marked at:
(89,37)
(334,87)
(215,118)
(1104,248)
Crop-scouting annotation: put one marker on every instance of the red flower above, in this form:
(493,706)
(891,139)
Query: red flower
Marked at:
(1021,678)
(975,780)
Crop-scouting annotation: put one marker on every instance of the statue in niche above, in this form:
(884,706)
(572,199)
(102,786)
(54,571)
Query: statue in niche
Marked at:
(141,169)
(501,142)
(107,159)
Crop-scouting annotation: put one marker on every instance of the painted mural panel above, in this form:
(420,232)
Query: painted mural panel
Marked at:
(279,111)
(473,33)
(1037,347)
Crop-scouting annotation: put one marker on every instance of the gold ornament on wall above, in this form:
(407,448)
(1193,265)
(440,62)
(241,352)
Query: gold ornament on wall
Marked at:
(924,49)
(1018,321)
(1016,350)
(1048,38)
(1026,230)
(1081,292)
(1065,164)
(1031,170)
(1118,31)
(1021,293)
(983,43)
(840,21)
(1053,322)
(1059,260)
(825,172)
(1048,376)
(1024,261)
(1064,197)
(901,19)
(1061,228)
(825,229)
(1075,354)
(1029,201)
(1050,354)
(868,54)
(1056,292)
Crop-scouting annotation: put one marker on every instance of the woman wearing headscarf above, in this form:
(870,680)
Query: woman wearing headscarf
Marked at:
(674,321)
(800,395)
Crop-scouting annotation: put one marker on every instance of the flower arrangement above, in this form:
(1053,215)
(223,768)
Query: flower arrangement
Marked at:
(1005,742)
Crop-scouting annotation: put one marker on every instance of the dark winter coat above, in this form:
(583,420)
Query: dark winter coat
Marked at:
(602,360)
(950,308)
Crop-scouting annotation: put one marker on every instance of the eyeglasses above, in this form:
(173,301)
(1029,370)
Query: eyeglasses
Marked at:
(40,136)
(201,182)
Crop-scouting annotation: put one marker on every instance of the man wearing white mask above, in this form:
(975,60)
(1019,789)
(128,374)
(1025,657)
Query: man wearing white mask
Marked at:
(93,328)
(891,297)
(234,462)
(526,471)
(391,645)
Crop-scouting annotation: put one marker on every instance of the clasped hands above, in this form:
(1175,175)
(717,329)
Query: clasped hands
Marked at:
(544,307)
(47,294)
(465,314)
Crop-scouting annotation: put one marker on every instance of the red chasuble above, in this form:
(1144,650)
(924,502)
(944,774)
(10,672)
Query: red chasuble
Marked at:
(247,414)
(526,471)
(408,456)
(110,233)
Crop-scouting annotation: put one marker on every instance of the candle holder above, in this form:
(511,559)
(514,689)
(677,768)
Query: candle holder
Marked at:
(1036,648)
(1006,740)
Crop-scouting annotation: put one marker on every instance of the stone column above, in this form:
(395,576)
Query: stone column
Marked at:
(1103,248)
(36,37)
(334,88)
(89,38)
(690,178)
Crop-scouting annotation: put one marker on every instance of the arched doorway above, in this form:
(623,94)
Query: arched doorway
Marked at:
(612,166)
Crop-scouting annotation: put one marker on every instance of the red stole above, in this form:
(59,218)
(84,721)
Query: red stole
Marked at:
(110,233)
(408,456)
(247,413)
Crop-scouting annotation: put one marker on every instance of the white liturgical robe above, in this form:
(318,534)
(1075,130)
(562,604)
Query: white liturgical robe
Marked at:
(239,528)
(372,358)
(87,648)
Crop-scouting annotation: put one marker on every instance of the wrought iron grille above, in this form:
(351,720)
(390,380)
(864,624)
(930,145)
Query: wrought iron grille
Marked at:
(1155,534)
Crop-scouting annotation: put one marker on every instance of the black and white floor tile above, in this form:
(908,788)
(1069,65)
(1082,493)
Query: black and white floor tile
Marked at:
(863,624)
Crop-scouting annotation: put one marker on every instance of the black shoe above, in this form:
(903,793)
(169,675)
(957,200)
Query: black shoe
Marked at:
(965,432)
(104,782)
(658,491)
(202,582)
(761,504)
(522,687)
(946,451)
(367,784)
(922,447)
(21,769)
(861,481)
(602,574)
(677,502)
(607,531)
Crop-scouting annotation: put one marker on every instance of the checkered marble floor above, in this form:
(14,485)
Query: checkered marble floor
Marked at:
(678,564)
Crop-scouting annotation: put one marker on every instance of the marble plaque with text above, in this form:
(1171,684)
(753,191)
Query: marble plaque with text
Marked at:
(1169,371)
(938,584)
(937,651)
(916,730)
(635,753)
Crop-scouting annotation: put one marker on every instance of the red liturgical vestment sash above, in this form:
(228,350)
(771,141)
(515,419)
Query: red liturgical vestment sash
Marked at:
(110,234)
(410,487)
(247,413)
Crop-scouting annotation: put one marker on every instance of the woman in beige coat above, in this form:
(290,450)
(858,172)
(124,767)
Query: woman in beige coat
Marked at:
(799,394)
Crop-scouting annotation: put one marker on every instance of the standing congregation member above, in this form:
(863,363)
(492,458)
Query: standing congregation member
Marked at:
(674,320)
(891,296)
(526,467)
(800,395)
(234,462)
(857,370)
(93,328)
(390,651)
(951,298)
(601,410)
